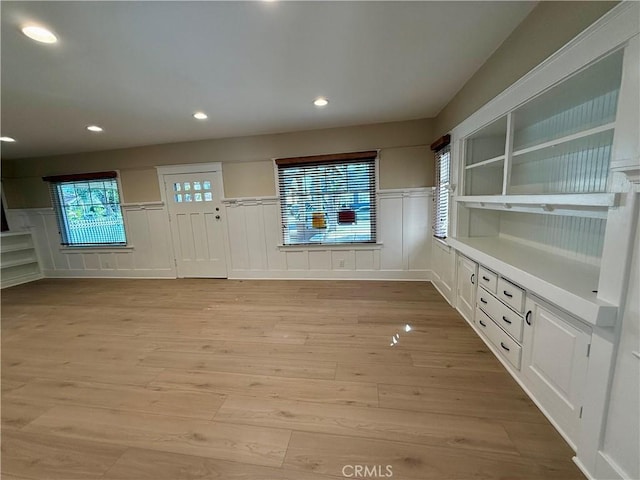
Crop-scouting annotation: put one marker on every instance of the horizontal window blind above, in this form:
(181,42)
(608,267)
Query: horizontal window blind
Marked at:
(441,197)
(88,211)
(328,200)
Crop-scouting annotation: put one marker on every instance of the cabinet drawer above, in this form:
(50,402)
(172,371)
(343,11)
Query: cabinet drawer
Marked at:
(506,318)
(482,321)
(487,302)
(506,345)
(487,279)
(511,294)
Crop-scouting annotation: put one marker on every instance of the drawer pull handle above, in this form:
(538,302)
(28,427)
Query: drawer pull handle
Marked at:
(486,279)
(473,276)
(506,320)
(483,300)
(504,346)
(507,294)
(527,318)
(482,323)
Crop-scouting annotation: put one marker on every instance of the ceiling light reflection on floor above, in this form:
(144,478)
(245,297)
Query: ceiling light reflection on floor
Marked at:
(396,338)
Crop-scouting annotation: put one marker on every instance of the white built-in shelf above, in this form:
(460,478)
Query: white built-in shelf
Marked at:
(566,139)
(495,161)
(18,259)
(6,236)
(592,205)
(570,284)
(562,199)
(18,263)
(15,248)
(630,167)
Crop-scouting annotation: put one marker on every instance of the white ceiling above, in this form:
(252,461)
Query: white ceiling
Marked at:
(140,69)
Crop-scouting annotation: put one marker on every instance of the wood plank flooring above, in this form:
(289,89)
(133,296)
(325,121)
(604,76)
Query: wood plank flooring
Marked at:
(260,380)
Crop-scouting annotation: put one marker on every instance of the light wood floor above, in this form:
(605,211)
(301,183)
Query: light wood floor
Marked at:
(186,379)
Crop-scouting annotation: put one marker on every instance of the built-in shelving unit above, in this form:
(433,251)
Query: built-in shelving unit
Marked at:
(557,143)
(543,229)
(485,159)
(19,260)
(548,157)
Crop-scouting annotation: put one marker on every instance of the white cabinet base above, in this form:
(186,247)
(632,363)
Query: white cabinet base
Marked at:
(555,362)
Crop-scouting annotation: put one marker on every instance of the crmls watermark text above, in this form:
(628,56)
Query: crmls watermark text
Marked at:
(367,471)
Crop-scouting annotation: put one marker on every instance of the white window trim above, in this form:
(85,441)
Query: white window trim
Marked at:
(103,248)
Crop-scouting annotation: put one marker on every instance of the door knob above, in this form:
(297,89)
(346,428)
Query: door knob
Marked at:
(217,217)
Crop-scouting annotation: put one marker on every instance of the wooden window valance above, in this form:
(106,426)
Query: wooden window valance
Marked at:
(440,143)
(80,177)
(336,157)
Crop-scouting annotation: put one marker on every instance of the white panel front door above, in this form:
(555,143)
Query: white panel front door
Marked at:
(195,215)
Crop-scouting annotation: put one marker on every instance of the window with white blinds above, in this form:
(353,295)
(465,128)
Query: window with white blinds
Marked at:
(443,177)
(87,208)
(328,199)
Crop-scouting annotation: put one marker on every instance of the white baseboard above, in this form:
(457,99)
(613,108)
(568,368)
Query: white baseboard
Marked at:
(142,274)
(401,275)
(581,466)
(439,287)
(607,469)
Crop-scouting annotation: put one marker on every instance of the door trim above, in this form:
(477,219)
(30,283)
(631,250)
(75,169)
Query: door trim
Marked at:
(208,167)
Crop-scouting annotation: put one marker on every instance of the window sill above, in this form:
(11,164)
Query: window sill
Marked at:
(442,243)
(331,246)
(105,249)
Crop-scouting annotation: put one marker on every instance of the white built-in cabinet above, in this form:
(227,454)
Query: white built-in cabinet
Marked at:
(466,286)
(555,362)
(535,185)
(19,260)
(543,219)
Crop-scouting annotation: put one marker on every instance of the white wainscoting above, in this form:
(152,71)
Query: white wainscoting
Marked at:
(254,239)
(150,253)
(402,252)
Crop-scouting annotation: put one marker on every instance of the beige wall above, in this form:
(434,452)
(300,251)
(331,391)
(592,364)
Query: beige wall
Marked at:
(548,27)
(247,168)
(249,179)
(139,185)
(396,162)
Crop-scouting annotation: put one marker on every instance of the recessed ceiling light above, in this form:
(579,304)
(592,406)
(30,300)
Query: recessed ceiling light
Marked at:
(200,115)
(39,34)
(320,102)
(7,139)
(94,128)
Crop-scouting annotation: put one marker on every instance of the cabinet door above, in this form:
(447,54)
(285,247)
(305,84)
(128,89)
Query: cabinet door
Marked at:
(444,267)
(466,278)
(555,361)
